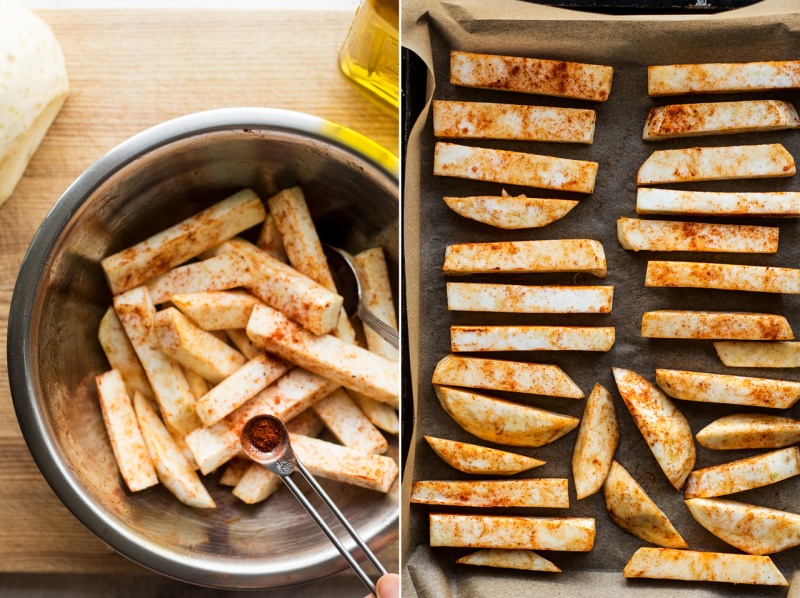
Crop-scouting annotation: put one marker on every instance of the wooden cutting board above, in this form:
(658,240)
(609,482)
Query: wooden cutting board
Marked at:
(130,70)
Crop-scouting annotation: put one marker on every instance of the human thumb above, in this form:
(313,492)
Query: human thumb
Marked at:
(389,586)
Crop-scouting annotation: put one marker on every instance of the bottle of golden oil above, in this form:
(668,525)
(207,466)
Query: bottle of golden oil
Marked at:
(370,55)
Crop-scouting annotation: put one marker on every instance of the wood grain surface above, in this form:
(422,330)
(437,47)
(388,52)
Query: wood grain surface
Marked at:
(130,70)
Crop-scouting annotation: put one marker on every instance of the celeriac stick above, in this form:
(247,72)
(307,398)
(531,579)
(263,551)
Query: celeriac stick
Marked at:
(530,338)
(515,298)
(121,355)
(218,273)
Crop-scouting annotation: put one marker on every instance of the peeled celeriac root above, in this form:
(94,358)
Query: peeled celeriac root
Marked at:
(730,277)
(380,414)
(597,440)
(514,376)
(708,203)
(471,458)
(187,239)
(480,120)
(530,338)
(679,79)
(733,390)
(759,355)
(242,342)
(503,422)
(137,314)
(665,235)
(749,431)
(531,75)
(744,474)
(526,560)
(121,355)
(172,468)
(493,531)
(562,255)
(635,512)
(713,325)
(511,212)
(663,427)
(234,471)
(691,565)
(537,492)
(214,274)
(217,310)
(512,298)
(514,168)
(348,424)
(269,239)
(719,118)
(130,452)
(716,164)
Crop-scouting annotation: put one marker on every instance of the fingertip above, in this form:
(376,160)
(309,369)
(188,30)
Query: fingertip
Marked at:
(389,586)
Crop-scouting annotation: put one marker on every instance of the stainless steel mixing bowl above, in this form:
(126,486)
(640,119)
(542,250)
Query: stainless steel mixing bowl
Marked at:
(152,181)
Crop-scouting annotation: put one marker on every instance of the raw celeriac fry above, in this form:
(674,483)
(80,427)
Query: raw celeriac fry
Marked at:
(634,511)
(137,314)
(679,79)
(197,384)
(665,235)
(194,348)
(269,239)
(130,452)
(180,442)
(531,75)
(345,364)
(242,342)
(286,398)
(380,414)
(713,325)
(376,293)
(730,277)
(719,118)
(562,255)
(716,164)
(501,421)
(343,464)
(472,458)
(711,203)
(530,338)
(759,355)
(514,168)
(187,239)
(493,531)
(509,559)
(173,470)
(744,474)
(749,431)
(537,492)
(597,440)
(733,390)
(348,424)
(214,274)
(217,310)
(511,212)
(239,387)
(515,298)
(480,120)
(234,471)
(121,355)
(662,425)
(514,376)
(691,565)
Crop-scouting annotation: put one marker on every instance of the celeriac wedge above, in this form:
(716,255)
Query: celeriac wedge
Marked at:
(563,255)
(234,471)
(712,325)
(503,422)
(759,355)
(376,294)
(493,531)
(348,424)
(380,414)
(716,164)
(214,274)
(782,204)
(597,440)
(730,277)
(634,511)
(750,528)
(197,384)
(749,431)
(511,212)
(721,77)
(691,565)
(217,310)
(665,235)
(472,458)
(480,120)
(514,168)
(514,298)
(269,239)
(719,118)
(744,474)
(663,427)
(509,559)
(530,338)
(514,376)
(121,355)
(531,75)
(187,239)
(733,390)
(243,343)
(537,492)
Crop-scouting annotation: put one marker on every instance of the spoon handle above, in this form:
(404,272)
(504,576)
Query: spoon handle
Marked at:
(386,332)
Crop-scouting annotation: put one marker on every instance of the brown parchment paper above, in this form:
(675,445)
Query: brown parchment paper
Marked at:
(767,31)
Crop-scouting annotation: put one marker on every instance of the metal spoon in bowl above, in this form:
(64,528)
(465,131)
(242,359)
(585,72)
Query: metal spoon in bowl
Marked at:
(347,283)
(266,441)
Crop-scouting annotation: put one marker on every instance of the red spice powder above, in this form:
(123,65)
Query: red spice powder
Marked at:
(265,434)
